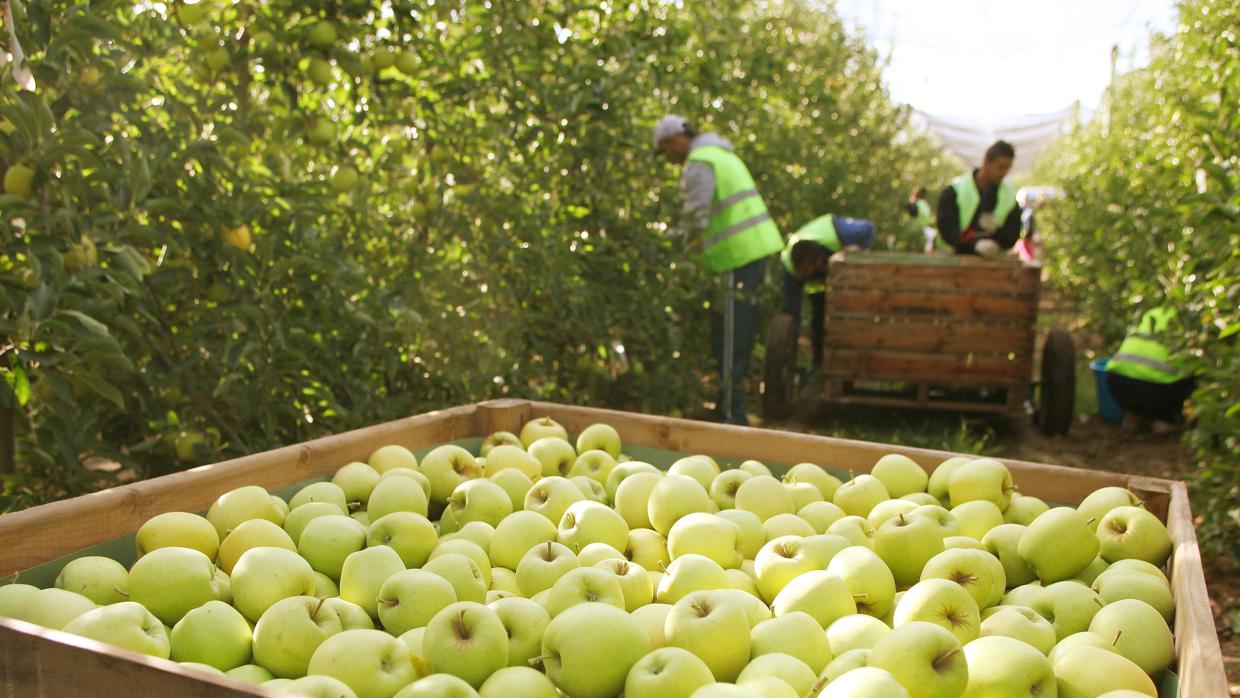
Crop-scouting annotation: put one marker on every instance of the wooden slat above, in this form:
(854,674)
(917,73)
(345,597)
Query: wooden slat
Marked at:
(884,302)
(948,369)
(37,662)
(920,403)
(119,511)
(1196,641)
(929,335)
(990,279)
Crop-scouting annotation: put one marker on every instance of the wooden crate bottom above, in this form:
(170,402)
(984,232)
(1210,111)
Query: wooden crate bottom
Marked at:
(999,399)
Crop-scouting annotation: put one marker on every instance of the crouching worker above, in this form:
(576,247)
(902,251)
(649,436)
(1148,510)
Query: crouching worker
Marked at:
(1149,387)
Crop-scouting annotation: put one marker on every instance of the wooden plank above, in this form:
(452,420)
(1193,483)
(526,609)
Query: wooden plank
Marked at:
(930,335)
(884,302)
(36,661)
(912,367)
(1196,640)
(915,403)
(119,511)
(1002,280)
(875,257)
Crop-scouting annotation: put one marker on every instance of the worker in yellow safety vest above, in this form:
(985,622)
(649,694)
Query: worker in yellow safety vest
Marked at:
(921,233)
(728,226)
(977,212)
(1144,379)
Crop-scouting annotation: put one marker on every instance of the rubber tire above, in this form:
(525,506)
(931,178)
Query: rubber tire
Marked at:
(1058,384)
(779,367)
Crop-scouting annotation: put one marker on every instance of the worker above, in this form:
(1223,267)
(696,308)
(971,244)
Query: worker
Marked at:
(1143,379)
(728,227)
(977,212)
(805,258)
(921,220)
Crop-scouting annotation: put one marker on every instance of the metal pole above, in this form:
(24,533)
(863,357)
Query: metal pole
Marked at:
(729,324)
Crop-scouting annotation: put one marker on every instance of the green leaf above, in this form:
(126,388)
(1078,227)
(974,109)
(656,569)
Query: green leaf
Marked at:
(101,387)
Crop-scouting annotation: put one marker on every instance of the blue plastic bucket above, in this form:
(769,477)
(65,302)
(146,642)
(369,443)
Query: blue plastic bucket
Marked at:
(1108,409)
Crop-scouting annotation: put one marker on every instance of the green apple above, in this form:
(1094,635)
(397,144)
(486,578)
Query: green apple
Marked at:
(411,535)
(855,632)
(551,497)
(780,561)
(178,529)
(54,608)
(512,457)
(602,437)
(328,492)
(796,634)
(889,509)
(848,661)
(1022,624)
(1089,672)
(363,574)
(943,603)
(811,474)
(467,640)
(319,687)
(1002,542)
(409,598)
(754,468)
(765,496)
(525,622)
(322,34)
(723,488)
(588,650)
(753,535)
(595,465)
(778,665)
(1138,632)
(822,595)
(595,553)
(249,673)
(584,585)
(100,579)
(937,486)
(1003,666)
(327,541)
(632,500)
(667,672)
(755,608)
(854,529)
(675,496)
(352,616)
(371,662)
(542,565)
(14,597)
(708,535)
(624,470)
(1132,533)
(255,533)
(648,549)
(321,131)
(478,500)
(542,427)
(821,515)
(590,522)
(900,474)
(1090,572)
(944,518)
(125,624)
(860,494)
(865,681)
(504,579)
(514,482)
(786,525)
(977,518)
(706,624)
(1058,544)
(906,544)
(653,617)
(393,494)
(172,581)
(1101,501)
(265,575)
(516,534)
(297,520)
(704,469)
(215,634)
(357,480)
(518,681)
(1024,509)
(687,574)
(446,467)
(479,533)
(921,499)
(1115,584)
(1139,566)
(1069,605)
(868,578)
(242,504)
(951,542)
(924,657)
(392,456)
(635,584)
(981,479)
(289,632)
(976,571)
(499,438)
(1081,639)
(556,455)
(437,686)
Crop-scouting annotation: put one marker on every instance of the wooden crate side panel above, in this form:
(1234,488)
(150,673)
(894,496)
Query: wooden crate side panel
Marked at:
(919,402)
(119,511)
(951,369)
(1002,280)
(879,301)
(41,662)
(1200,659)
(929,335)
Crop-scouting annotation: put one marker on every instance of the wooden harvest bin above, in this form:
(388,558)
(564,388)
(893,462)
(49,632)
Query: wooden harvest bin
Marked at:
(913,330)
(42,662)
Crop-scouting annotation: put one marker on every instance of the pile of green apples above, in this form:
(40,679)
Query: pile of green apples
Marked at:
(544,566)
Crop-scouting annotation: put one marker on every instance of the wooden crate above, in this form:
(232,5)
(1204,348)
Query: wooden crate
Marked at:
(948,332)
(42,662)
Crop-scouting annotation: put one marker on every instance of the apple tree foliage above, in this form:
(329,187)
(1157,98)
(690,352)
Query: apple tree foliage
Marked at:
(1151,214)
(195,274)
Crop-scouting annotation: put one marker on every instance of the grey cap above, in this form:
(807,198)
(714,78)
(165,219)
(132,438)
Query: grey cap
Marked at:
(669,126)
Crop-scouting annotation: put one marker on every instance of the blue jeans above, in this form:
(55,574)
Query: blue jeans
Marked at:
(852,232)
(748,282)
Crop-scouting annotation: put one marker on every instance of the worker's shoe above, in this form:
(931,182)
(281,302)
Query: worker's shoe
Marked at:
(1135,424)
(1161,428)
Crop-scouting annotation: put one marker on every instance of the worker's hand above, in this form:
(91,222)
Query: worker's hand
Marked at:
(986,222)
(986,247)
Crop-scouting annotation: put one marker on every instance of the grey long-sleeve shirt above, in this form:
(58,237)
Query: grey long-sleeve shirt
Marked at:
(697,184)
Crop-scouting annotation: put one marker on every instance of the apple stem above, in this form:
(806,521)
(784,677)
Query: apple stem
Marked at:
(814,690)
(1091,520)
(319,607)
(1118,633)
(121,591)
(852,474)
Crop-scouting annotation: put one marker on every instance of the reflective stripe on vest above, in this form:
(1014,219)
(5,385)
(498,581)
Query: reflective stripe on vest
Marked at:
(1142,355)
(968,198)
(740,230)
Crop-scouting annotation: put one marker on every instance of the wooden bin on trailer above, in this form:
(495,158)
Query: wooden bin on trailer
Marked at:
(930,331)
(42,662)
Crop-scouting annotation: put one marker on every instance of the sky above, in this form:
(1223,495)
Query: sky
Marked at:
(996,58)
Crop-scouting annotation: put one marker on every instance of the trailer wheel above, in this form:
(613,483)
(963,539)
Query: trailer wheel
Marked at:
(1058,383)
(779,366)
